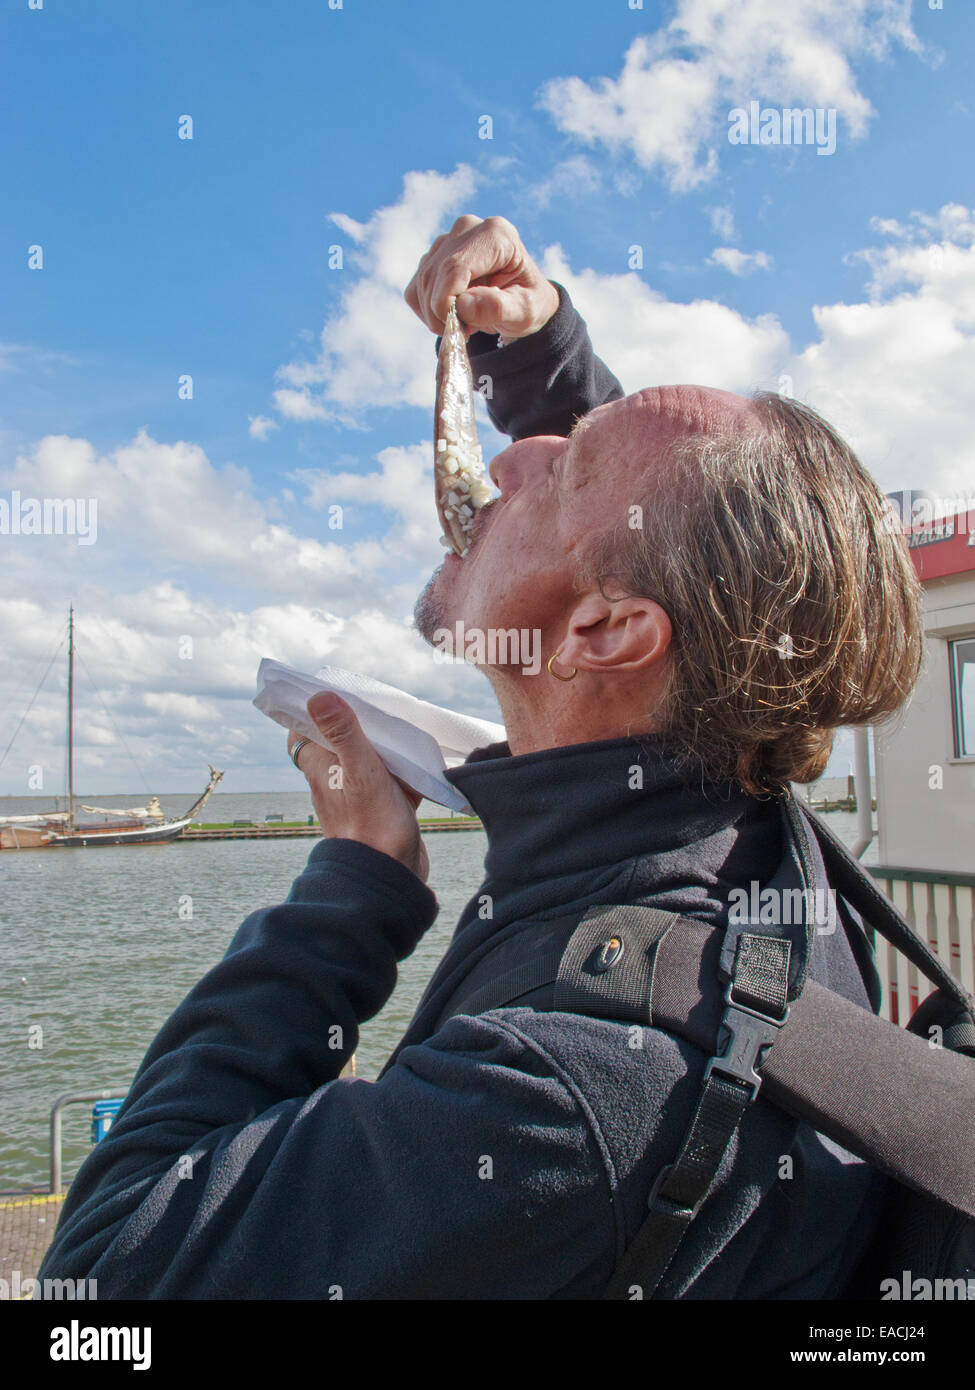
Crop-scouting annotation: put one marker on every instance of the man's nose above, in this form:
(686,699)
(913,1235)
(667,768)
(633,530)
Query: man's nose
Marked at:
(516,464)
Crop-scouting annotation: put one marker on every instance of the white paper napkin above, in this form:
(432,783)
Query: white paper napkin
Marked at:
(413,737)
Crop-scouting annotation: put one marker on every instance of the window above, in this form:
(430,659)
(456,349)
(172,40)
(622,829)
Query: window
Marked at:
(963,695)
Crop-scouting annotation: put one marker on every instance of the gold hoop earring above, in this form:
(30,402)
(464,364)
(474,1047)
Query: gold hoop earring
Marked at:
(556,674)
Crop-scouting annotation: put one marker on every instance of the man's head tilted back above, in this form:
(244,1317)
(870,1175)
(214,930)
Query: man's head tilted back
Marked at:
(718,569)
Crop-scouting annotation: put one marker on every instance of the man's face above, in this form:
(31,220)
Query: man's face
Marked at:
(557,495)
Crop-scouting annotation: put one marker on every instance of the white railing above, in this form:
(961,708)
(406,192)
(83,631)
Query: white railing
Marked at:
(941,909)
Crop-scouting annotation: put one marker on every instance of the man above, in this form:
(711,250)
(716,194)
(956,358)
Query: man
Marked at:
(697,661)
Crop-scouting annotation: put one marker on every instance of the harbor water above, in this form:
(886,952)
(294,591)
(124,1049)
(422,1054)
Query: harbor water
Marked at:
(98,947)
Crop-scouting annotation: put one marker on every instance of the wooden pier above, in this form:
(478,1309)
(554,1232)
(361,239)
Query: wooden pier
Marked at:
(845,803)
(254,830)
(27,1222)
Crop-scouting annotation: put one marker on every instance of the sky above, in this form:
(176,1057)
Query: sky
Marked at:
(207,335)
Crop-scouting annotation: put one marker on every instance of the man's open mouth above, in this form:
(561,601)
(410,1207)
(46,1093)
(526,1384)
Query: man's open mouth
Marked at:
(480,524)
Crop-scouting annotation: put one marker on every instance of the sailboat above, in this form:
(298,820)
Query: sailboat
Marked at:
(139,825)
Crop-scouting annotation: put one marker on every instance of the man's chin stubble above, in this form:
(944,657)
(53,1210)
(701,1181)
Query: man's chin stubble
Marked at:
(429,612)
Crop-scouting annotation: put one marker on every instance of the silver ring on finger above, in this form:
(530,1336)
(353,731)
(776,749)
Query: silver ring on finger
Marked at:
(296,750)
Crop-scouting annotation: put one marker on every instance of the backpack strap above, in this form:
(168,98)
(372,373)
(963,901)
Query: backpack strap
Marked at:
(893,1098)
(757,1008)
(882,1092)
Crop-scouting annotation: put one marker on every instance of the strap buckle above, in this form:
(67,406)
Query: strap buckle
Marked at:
(750,1033)
(667,1205)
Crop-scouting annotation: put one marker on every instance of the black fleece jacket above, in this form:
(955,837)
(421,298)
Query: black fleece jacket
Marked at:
(501,1156)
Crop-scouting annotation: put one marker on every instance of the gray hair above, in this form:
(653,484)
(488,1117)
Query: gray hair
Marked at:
(793,599)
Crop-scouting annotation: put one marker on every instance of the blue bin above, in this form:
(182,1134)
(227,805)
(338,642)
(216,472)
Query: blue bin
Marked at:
(102,1115)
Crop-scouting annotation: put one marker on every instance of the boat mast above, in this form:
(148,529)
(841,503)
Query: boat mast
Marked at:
(198,805)
(71,715)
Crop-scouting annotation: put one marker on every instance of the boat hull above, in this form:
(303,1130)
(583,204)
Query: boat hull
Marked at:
(117,835)
(24,837)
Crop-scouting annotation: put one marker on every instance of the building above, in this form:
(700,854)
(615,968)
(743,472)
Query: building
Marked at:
(925,770)
(926,760)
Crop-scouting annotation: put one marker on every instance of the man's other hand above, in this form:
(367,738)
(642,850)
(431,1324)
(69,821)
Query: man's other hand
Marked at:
(354,793)
(499,287)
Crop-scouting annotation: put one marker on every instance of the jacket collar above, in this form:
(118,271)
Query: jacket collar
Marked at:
(615,821)
(566,810)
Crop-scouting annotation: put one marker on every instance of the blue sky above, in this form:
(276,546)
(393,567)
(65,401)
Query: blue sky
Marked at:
(852,275)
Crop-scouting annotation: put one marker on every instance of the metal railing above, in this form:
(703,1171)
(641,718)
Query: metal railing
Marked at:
(73,1098)
(941,909)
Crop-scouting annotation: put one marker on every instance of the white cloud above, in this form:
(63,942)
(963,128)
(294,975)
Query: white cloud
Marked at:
(648,340)
(261,426)
(374,351)
(927,248)
(189,711)
(19,357)
(894,370)
(177,714)
(300,405)
(668,107)
(165,509)
(403,483)
(355,231)
(722,221)
(570,179)
(189,551)
(739,262)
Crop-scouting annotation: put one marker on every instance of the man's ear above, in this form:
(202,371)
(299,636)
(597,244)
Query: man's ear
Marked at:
(626,634)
